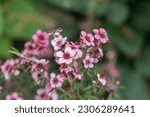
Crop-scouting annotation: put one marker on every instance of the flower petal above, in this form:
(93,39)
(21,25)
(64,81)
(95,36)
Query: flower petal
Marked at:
(59,54)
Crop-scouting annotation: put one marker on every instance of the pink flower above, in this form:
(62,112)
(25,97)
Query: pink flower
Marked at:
(58,42)
(66,69)
(55,81)
(96,52)
(102,79)
(29,48)
(87,39)
(36,75)
(48,87)
(9,68)
(88,62)
(54,95)
(66,56)
(55,32)
(42,95)
(39,67)
(13,96)
(44,51)
(101,35)
(42,64)
(110,85)
(78,75)
(113,71)
(78,54)
(41,38)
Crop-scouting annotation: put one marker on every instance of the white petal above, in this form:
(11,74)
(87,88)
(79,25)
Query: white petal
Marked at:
(59,54)
(83,33)
(68,49)
(53,42)
(68,61)
(52,75)
(72,53)
(61,60)
(64,39)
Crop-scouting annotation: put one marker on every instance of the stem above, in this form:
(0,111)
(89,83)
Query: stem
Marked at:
(66,93)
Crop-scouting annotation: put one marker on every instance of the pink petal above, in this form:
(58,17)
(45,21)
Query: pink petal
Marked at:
(83,33)
(95,30)
(39,32)
(34,37)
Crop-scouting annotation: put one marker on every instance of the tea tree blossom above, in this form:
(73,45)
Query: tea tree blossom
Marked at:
(41,38)
(14,96)
(9,68)
(66,62)
(58,42)
(66,56)
(66,69)
(78,75)
(55,80)
(88,62)
(102,79)
(87,39)
(43,95)
(100,34)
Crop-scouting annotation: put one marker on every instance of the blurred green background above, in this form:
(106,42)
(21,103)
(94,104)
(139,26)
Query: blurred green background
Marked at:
(126,21)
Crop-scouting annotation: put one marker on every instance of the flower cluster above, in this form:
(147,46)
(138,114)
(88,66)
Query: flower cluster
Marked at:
(75,61)
(14,96)
(10,68)
(43,95)
(39,46)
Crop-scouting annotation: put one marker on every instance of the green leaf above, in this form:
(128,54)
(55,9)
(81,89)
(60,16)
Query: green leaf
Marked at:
(1,23)
(117,13)
(130,42)
(141,17)
(24,20)
(102,7)
(4,48)
(134,83)
(143,63)
(79,6)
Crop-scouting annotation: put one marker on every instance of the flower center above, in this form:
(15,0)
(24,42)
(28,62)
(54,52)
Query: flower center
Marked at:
(102,35)
(88,38)
(88,61)
(102,76)
(30,47)
(7,67)
(55,80)
(66,55)
(41,37)
(59,42)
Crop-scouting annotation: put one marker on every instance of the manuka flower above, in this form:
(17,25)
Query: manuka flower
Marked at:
(66,56)
(101,35)
(88,62)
